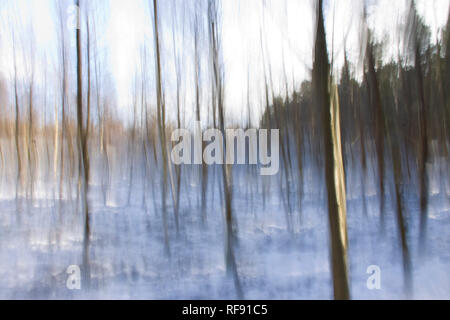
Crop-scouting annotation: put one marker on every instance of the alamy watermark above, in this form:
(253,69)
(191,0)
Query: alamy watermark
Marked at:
(74,279)
(234,144)
(374,280)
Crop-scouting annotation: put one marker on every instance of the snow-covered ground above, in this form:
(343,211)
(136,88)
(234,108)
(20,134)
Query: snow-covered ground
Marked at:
(40,239)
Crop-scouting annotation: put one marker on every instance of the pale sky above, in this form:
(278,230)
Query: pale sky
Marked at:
(287,28)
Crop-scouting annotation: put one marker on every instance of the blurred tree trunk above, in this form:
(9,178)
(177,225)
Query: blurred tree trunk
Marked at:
(375,102)
(218,88)
(82,153)
(30,136)
(161,124)
(17,120)
(334,171)
(178,101)
(416,33)
(63,100)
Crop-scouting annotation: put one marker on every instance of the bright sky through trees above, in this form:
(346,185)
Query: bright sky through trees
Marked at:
(283,29)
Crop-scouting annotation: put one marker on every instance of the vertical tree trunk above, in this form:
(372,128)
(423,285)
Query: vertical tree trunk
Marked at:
(30,133)
(63,101)
(17,121)
(334,171)
(423,158)
(82,154)
(375,100)
(161,124)
(230,259)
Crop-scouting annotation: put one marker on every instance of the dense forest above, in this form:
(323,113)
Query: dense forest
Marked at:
(363,149)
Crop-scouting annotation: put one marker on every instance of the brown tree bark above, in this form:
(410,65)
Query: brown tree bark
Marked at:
(334,171)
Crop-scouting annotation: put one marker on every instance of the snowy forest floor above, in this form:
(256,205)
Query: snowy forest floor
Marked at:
(40,239)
